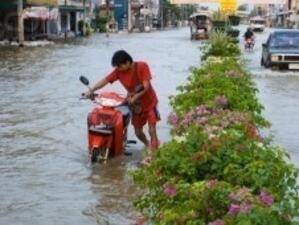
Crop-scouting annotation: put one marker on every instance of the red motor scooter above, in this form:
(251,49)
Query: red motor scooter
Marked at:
(107,125)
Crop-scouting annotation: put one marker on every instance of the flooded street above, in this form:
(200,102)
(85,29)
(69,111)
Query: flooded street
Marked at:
(44,170)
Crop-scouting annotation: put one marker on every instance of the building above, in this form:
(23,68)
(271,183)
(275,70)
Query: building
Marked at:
(37,19)
(293,8)
(10,20)
(71,12)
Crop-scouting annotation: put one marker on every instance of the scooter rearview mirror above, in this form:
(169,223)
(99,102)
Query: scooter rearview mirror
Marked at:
(84,80)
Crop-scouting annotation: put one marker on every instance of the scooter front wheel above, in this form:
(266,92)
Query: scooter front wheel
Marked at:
(94,155)
(100,154)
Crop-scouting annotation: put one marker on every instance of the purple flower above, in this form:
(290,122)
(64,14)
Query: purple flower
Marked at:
(211,183)
(172,119)
(266,199)
(221,101)
(217,222)
(169,190)
(234,209)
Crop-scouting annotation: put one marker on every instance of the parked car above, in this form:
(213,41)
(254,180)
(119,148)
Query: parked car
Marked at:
(281,50)
(258,24)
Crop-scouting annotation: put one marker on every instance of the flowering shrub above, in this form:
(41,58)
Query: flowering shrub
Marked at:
(213,121)
(217,169)
(221,83)
(211,202)
(230,157)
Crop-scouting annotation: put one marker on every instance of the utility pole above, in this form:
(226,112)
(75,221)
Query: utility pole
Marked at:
(162,13)
(129,16)
(20,23)
(84,17)
(108,8)
(65,28)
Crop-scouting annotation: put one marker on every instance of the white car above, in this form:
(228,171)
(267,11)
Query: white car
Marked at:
(258,24)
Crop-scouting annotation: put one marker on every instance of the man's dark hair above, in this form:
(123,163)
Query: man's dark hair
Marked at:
(121,57)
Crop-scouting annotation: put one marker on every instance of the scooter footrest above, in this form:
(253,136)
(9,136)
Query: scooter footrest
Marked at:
(101,129)
(131,142)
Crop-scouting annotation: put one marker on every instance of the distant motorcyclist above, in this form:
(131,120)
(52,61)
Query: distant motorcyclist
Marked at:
(248,34)
(249,39)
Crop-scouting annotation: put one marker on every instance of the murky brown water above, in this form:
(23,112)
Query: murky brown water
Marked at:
(45,177)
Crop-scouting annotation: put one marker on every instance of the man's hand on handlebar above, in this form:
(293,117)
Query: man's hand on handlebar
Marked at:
(89,95)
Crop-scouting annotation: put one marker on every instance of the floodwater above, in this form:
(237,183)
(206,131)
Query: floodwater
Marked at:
(45,175)
(279,93)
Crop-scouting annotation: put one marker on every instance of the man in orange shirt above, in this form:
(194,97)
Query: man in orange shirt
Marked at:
(133,76)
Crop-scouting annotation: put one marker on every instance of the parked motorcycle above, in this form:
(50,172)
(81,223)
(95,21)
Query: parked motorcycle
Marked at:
(107,125)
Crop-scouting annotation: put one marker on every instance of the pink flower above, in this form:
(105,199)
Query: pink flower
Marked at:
(266,199)
(221,101)
(202,120)
(232,73)
(169,190)
(211,183)
(234,209)
(172,119)
(243,191)
(202,110)
(140,221)
(234,197)
(187,120)
(217,222)
(246,207)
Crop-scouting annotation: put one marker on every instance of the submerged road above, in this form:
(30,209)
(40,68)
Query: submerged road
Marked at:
(45,175)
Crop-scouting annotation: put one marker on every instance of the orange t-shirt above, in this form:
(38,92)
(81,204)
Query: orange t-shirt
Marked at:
(128,80)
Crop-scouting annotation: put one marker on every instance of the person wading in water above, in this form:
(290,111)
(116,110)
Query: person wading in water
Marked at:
(136,79)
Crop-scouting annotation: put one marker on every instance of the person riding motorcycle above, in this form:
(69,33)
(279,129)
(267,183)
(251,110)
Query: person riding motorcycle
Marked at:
(249,37)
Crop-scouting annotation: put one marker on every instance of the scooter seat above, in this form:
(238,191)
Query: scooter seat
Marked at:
(125,112)
(101,129)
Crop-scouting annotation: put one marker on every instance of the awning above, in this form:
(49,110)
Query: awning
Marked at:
(42,13)
(42,2)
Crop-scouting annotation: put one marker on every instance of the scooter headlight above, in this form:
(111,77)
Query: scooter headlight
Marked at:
(274,58)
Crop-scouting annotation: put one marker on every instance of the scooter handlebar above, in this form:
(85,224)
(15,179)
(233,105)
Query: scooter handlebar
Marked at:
(91,97)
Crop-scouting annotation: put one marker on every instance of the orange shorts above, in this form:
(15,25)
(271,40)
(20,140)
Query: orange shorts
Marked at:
(151,117)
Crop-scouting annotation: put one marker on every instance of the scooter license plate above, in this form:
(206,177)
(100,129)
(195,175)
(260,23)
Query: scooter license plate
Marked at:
(293,66)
